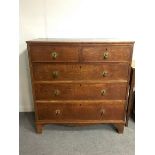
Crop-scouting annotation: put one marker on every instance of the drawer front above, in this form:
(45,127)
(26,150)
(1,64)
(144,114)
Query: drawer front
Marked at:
(106,53)
(103,71)
(81,111)
(54,53)
(77,91)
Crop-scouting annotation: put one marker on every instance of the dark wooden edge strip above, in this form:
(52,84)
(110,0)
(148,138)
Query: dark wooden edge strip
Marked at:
(32,82)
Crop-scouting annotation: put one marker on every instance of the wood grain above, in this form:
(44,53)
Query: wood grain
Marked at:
(74,96)
(115,53)
(80,111)
(64,53)
(80,71)
(115,91)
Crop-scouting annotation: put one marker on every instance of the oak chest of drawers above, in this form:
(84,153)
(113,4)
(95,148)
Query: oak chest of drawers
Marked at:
(80,81)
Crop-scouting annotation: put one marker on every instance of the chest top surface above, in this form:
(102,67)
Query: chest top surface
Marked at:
(81,40)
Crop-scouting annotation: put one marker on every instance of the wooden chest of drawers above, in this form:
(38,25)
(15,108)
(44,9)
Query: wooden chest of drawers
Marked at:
(80,81)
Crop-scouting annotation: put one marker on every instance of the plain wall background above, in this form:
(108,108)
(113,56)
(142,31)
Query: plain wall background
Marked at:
(79,19)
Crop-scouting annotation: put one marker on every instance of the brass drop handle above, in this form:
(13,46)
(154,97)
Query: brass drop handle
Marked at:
(55,74)
(105,55)
(57,111)
(105,73)
(103,92)
(56,92)
(54,55)
(102,112)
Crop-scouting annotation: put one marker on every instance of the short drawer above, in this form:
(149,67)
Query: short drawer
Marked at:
(54,53)
(60,72)
(113,110)
(77,91)
(106,53)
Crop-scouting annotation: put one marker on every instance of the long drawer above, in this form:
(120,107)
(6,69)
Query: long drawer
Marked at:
(113,110)
(80,71)
(78,91)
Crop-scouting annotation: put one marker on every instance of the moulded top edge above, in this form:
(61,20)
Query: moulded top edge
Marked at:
(80,40)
